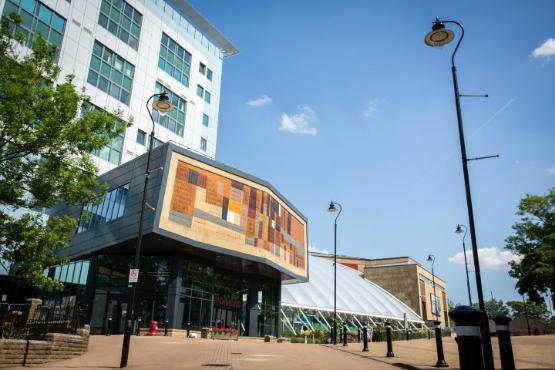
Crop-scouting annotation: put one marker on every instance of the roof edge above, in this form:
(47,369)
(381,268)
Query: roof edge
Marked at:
(204,26)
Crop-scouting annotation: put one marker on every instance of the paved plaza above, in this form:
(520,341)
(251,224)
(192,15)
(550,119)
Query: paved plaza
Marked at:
(254,354)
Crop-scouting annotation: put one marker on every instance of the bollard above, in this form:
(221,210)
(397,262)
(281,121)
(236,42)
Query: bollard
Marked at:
(407,333)
(359,335)
(388,337)
(138,326)
(166,328)
(188,329)
(439,346)
(344,335)
(365,339)
(504,339)
(340,335)
(429,334)
(467,325)
(109,327)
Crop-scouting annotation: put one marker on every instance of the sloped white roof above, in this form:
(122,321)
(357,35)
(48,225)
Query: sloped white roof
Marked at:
(355,294)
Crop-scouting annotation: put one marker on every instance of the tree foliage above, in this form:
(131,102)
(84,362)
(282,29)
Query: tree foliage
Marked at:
(494,307)
(532,309)
(45,146)
(534,241)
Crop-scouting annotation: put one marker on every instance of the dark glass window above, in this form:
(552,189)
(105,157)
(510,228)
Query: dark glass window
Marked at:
(122,20)
(175,60)
(203,144)
(113,151)
(174,120)
(109,209)
(111,73)
(37,18)
(205,120)
(141,137)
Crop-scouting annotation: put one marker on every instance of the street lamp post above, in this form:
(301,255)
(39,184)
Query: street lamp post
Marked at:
(162,105)
(459,230)
(332,209)
(437,324)
(440,36)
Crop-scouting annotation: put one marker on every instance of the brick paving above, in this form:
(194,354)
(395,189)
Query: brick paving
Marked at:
(536,352)
(253,354)
(172,353)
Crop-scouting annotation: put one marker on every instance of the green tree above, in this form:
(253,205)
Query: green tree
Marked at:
(45,146)
(534,241)
(494,307)
(532,309)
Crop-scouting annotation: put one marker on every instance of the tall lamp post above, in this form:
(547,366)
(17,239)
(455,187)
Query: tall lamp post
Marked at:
(437,324)
(162,105)
(335,207)
(460,230)
(440,36)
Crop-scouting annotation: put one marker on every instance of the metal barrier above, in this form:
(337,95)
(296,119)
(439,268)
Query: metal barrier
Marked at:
(35,321)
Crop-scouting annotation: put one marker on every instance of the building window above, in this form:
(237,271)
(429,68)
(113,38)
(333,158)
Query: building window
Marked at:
(109,209)
(141,137)
(205,120)
(113,151)
(201,92)
(37,18)
(111,73)
(157,143)
(203,70)
(175,60)
(174,120)
(122,20)
(203,144)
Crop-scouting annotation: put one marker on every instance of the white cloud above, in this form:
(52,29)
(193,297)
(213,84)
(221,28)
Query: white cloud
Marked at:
(299,123)
(312,248)
(370,109)
(545,50)
(260,102)
(491,258)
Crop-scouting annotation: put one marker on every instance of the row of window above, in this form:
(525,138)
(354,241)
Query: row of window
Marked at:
(113,151)
(36,18)
(111,73)
(121,20)
(73,273)
(141,139)
(110,208)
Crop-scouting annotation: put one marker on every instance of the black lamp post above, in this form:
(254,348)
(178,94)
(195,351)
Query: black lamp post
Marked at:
(332,209)
(459,230)
(440,36)
(437,324)
(162,105)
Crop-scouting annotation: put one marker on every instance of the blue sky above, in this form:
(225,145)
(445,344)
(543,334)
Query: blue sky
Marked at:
(367,118)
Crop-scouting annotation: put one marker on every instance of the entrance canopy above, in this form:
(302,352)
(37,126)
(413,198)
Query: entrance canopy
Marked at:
(356,296)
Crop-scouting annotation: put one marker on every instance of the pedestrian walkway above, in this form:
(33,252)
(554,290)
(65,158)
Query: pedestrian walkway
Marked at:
(171,353)
(536,352)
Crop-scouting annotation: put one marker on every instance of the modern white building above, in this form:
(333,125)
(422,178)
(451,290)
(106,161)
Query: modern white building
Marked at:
(123,51)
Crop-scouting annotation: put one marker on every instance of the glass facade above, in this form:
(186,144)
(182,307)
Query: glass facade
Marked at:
(122,20)
(208,296)
(113,151)
(175,60)
(109,209)
(37,18)
(174,120)
(111,73)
